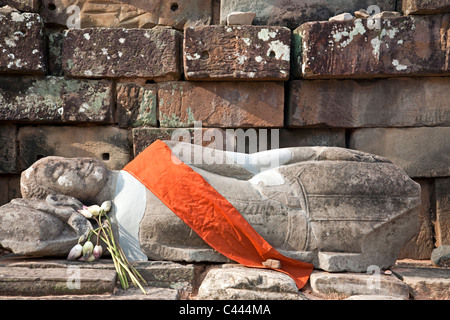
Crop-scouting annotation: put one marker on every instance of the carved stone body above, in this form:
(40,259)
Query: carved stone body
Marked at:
(336,208)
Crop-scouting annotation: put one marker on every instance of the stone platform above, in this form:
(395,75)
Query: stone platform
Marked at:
(24,278)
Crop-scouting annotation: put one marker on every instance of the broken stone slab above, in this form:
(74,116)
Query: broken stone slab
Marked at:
(55,99)
(8,148)
(128,13)
(234,282)
(425,6)
(56,281)
(240,18)
(107,144)
(369,48)
(293,13)
(401,146)
(441,256)
(237,53)
(22,44)
(136,105)
(391,102)
(425,283)
(344,285)
(122,53)
(221,104)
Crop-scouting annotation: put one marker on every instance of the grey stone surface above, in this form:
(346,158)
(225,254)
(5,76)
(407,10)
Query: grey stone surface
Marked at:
(49,227)
(240,283)
(441,256)
(344,285)
(57,281)
(421,152)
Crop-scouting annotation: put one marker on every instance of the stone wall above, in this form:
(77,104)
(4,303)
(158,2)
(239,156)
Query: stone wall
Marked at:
(132,71)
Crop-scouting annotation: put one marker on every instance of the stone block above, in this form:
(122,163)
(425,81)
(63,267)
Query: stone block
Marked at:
(105,143)
(8,149)
(442,224)
(340,285)
(221,104)
(237,53)
(10,188)
(55,99)
(178,14)
(22,43)
(421,246)
(55,281)
(425,6)
(22,5)
(136,105)
(425,283)
(54,45)
(392,102)
(421,152)
(293,13)
(122,53)
(143,137)
(414,45)
(312,137)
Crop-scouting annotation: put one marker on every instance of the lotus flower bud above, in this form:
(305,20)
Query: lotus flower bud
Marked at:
(88,247)
(95,210)
(75,252)
(98,251)
(91,258)
(85,212)
(106,206)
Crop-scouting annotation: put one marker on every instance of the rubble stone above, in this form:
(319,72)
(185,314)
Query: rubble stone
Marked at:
(425,6)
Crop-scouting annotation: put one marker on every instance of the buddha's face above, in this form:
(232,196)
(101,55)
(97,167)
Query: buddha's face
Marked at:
(82,178)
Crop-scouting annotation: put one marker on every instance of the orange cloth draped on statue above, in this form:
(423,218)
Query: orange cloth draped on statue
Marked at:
(207,212)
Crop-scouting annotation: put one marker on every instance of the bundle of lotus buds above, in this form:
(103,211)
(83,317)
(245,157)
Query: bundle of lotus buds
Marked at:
(85,250)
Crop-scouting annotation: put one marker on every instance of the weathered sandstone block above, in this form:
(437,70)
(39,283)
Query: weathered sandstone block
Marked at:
(425,6)
(55,99)
(442,225)
(414,45)
(421,152)
(108,144)
(129,13)
(421,246)
(293,13)
(22,5)
(237,52)
(114,53)
(8,148)
(393,102)
(143,137)
(136,105)
(221,104)
(10,186)
(21,43)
